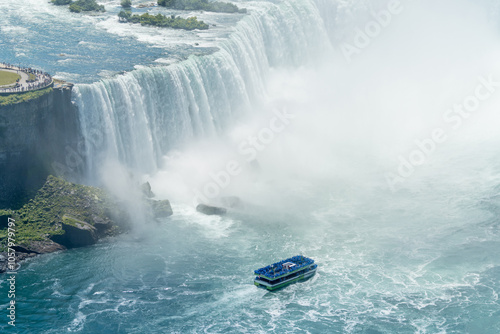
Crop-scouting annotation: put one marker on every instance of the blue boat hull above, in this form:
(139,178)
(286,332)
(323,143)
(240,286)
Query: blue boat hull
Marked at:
(278,285)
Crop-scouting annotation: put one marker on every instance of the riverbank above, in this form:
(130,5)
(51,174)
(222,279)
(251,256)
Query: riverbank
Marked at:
(62,215)
(65,215)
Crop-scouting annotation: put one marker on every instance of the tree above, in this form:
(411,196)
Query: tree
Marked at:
(126,3)
(161,20)
(166,3)
(124,15)
(217,6)
(85,6)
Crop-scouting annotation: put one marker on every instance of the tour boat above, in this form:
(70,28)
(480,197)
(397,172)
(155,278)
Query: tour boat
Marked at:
(285,272)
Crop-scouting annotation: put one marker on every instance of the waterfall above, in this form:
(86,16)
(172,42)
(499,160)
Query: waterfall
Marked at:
(139,116)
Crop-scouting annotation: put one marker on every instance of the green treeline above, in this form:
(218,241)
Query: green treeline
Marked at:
(160,20)
(80,5)
(219,7)
(85,6)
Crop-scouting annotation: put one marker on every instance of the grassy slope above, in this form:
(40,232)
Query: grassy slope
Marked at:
(7,78)
(42,216)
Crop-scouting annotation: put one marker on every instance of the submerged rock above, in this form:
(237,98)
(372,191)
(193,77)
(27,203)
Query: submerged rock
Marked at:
(210,210)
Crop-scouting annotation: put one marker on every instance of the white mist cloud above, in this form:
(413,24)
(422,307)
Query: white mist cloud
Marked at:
(125,187)
(353,120)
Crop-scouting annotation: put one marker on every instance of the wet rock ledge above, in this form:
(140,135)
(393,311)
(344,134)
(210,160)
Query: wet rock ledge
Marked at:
(64,215)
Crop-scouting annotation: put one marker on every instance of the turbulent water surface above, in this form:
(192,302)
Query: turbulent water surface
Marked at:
(366,136)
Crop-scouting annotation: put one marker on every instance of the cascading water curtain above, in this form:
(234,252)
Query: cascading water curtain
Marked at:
(139,116)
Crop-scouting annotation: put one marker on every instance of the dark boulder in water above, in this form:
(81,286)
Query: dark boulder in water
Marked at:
(77,233)
(210,210)
(21,249)
(41,247)
(161,209)
(104,227)
(157,209)
(146,190)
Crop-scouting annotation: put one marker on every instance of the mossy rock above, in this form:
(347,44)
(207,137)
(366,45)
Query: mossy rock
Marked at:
(77,233)
(60,204)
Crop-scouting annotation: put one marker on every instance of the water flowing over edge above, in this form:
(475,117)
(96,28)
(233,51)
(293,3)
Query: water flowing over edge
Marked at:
(141,115)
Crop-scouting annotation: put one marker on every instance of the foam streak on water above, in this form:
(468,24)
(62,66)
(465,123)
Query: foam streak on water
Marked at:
(193,273)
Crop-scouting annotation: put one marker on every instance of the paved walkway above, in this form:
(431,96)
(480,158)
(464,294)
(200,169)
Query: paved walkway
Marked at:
(42,80)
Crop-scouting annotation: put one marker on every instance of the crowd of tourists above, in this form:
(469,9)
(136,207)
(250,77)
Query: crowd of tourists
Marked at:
(37,79)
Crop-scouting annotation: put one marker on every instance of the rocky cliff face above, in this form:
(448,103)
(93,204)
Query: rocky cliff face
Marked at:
(66,215)
(62,215)
(33,135)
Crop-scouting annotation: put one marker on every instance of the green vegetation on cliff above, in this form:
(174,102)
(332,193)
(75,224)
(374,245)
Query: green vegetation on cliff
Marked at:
(86,6)
(160,20)
(59,202)
(64,215)
(23,97)
(217,6)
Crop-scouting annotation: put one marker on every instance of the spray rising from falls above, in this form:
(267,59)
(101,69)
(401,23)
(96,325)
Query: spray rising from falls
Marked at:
(138,117)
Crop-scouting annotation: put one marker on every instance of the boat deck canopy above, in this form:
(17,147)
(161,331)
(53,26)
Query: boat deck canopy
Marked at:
(284,267)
